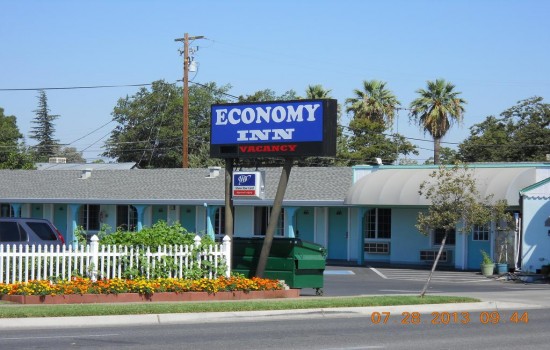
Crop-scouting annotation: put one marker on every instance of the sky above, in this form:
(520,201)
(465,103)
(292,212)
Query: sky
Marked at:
(496,53)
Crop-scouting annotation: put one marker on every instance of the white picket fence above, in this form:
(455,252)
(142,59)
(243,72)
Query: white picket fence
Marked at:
(22,263)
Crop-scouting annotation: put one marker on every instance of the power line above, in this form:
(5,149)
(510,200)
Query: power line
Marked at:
(76,87)
(91,132)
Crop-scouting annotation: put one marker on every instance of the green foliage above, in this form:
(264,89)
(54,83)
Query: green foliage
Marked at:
(317,92)
(486,259)
(455,201)
(368,141)
(374,102)
(71,154)
(44,129)
(520,134)
(159,235)
(269,95)
(373,110)
(19,160)
(13,154)
(436,109)
(80,235)
(9,136)
(149,130)
(446,156)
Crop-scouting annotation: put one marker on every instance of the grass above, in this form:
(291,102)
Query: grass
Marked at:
(9,310)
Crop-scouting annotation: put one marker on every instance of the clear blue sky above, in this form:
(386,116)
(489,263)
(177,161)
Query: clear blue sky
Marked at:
(495,52)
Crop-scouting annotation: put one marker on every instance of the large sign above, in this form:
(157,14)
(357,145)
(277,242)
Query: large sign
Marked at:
(299,128)
(248,184)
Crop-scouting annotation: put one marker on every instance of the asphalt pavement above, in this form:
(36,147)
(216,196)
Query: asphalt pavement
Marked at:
(495,294)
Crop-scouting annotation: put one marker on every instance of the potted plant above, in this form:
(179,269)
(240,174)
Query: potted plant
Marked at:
(487,264)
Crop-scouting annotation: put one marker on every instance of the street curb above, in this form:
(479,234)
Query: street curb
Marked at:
(249,316)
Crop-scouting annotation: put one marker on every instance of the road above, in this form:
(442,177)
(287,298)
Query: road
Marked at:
(472,330)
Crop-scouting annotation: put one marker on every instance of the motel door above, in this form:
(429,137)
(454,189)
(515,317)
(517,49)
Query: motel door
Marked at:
(474,250)
(337,233)
(305,224)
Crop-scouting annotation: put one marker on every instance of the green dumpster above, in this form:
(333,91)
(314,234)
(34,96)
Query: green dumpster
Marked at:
(299,263)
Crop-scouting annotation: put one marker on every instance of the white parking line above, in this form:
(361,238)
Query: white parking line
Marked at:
(378,272)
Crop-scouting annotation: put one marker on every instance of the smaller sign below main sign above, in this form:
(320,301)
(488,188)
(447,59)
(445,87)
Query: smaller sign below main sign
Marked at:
(248,184)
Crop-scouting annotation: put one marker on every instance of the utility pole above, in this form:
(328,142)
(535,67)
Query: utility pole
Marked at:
(185,39)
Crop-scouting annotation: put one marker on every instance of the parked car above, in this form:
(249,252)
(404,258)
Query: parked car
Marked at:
(29,231)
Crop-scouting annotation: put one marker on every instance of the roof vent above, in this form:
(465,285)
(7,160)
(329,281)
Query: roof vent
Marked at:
(213,171)
(86,173)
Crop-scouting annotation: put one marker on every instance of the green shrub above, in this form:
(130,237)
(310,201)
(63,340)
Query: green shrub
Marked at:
(159,234)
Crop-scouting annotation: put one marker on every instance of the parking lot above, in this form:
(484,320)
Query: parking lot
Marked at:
(376,280)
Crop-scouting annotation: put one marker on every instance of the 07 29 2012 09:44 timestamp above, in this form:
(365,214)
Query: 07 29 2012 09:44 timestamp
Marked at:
(444,318)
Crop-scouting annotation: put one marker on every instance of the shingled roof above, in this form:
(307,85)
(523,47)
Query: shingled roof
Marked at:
(314,186)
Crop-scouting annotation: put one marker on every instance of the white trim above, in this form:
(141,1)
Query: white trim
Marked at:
(348,234)
(326,213)
(315,236)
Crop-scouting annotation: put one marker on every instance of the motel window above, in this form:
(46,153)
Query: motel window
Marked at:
(440,233)
(126,218)
(88,217)
(261,221)
(7,211)
(480,233)
(219,221)
(378,223)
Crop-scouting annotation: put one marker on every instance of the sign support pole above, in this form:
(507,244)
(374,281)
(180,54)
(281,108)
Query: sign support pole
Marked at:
(229,214)
(274,217)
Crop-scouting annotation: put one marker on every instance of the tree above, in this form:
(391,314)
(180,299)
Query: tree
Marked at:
(9,135)
(20,159)
(317,92)
(269,95)
(368,141)
(374,102)
(149,130)
(71,154)
(373,111)
(455,204)
(446,156)
(436,109)
(13,152)
(521,134)
(44,130)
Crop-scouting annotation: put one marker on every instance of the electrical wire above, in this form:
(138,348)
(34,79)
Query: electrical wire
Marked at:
(76,87)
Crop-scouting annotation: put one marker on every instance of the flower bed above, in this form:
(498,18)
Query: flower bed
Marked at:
(83,290)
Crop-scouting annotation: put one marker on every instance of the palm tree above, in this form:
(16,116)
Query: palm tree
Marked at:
(436,109)
(374,102)
(314,92)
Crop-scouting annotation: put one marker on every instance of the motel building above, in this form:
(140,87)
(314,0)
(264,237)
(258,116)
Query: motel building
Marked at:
(361,214)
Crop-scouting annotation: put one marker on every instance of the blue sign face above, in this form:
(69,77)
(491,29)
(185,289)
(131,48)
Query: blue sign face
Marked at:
(244,179)
(267,123)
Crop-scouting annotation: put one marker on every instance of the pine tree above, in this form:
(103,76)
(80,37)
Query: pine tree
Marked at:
(44,130)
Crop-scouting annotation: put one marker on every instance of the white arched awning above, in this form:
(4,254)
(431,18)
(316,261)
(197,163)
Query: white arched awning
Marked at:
(399,187)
